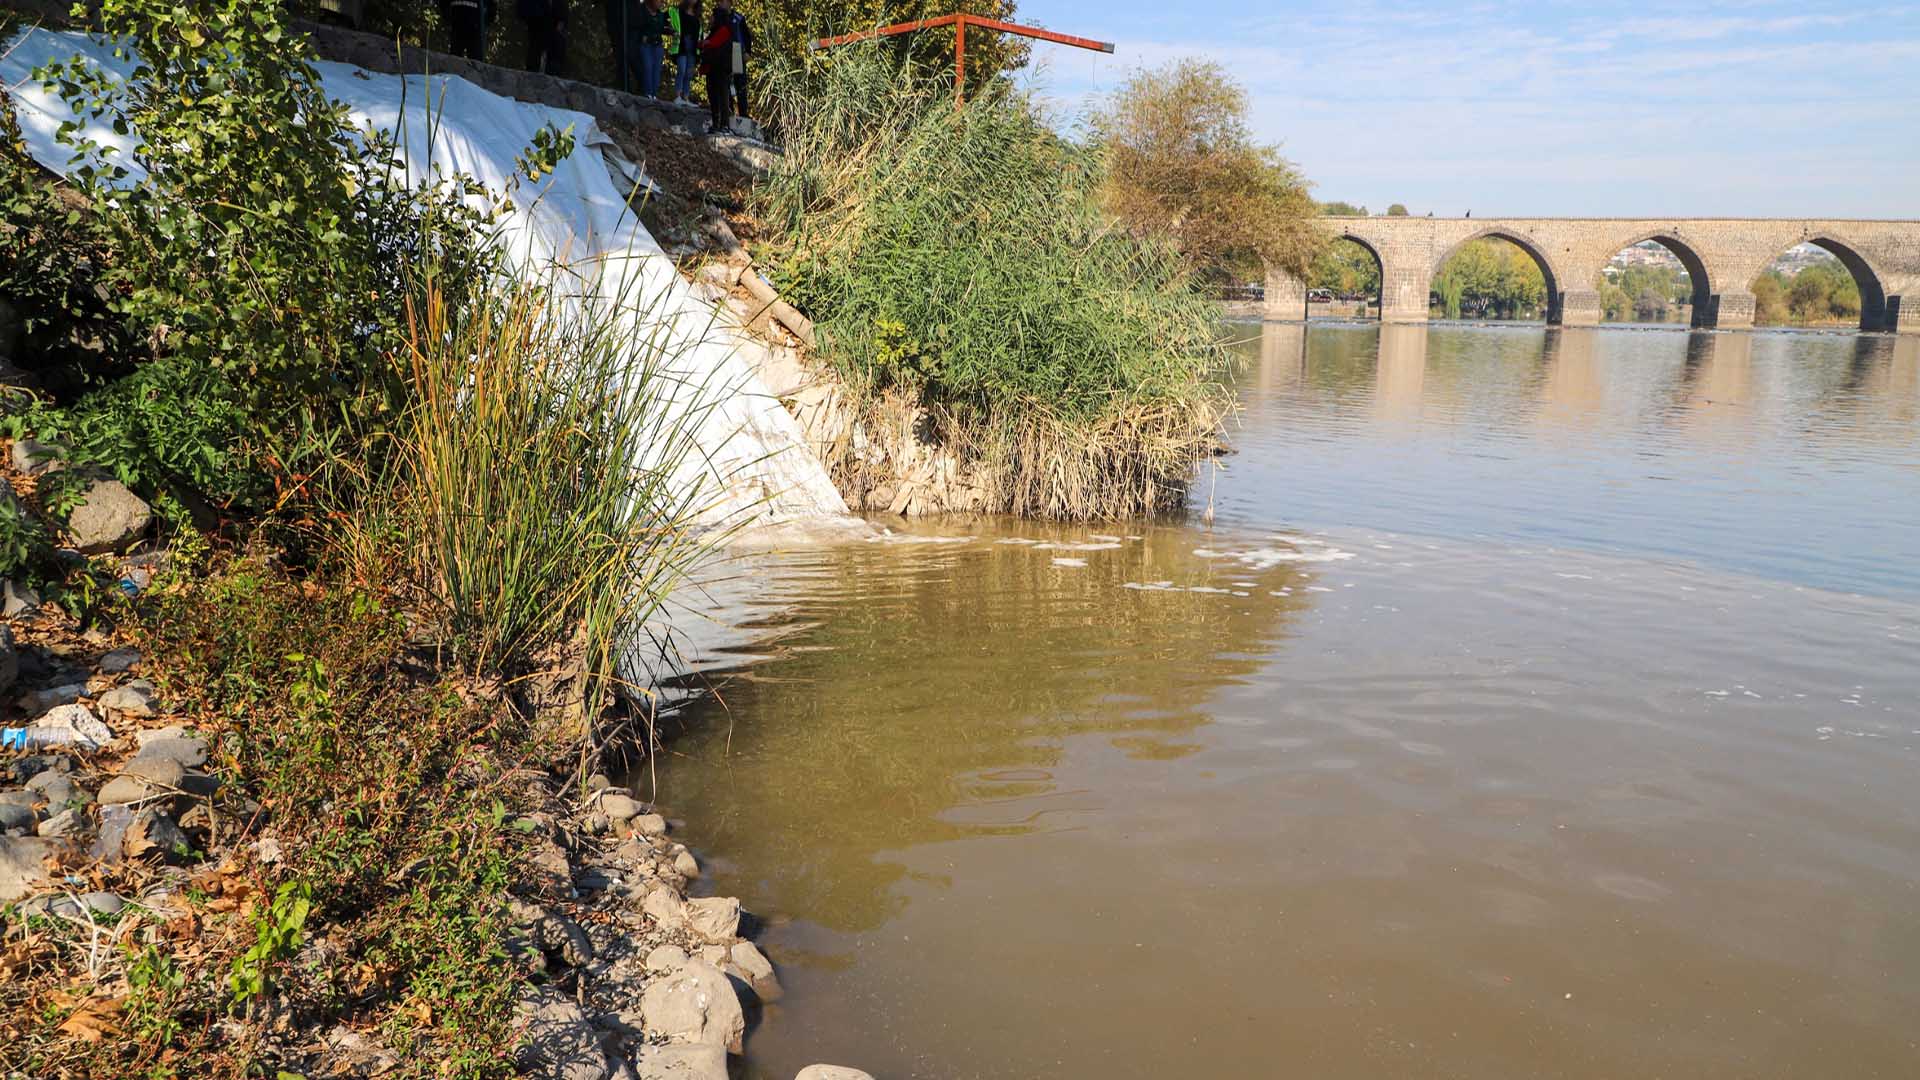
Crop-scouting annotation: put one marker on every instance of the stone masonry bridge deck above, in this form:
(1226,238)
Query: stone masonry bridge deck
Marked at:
(1722,257)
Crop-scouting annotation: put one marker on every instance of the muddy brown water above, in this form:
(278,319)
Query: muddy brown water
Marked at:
(1537,704)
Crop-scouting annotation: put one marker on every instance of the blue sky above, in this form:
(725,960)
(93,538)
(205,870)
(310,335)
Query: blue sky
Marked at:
(1709,108)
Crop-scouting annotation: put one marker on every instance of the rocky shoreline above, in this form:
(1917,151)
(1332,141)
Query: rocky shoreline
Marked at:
(116,822)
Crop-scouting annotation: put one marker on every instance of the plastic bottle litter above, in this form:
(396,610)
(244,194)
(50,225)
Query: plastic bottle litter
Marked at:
(33,738)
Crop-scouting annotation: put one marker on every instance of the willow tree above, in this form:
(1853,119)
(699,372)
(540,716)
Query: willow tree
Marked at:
(1183,164)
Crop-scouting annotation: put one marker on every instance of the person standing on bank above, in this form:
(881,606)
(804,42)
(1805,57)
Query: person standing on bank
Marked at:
(716,61)
(617,13)
(686,53)
(467,27)
(546,35)
(742,45)
(651,45)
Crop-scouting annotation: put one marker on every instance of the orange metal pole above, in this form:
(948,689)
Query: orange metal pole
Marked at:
(960,62)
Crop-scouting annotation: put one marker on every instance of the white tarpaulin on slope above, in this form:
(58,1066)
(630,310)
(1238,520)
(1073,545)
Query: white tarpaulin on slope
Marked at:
(750,447)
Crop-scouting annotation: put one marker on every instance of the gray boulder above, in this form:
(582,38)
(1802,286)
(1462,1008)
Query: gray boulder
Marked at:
(153,834)
(694,1005)
(666,959)
(753,968)
(14,816)
(560,1043)
(144,779)
(35,702)
(676,1062)
(830,1072)
(715,918)
(189,751)
(66,823)
(109,518)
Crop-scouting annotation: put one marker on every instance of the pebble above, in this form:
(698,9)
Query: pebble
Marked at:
(58,787)
(66,823)
(715,918)
(756,970)
(36,702)
(133,699)
(13,817)
(189,752)
(830,1072)
(118,661)
(619,808)
(665,959)
(686,865)
(649,825)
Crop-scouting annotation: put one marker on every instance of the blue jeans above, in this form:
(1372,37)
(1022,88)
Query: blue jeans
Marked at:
(683,66)
(653,58)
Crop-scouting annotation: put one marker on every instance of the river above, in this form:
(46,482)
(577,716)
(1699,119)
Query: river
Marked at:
(1536,703)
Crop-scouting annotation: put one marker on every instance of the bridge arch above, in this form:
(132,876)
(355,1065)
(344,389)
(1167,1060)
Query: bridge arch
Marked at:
(1870,283)
(1696,267)
(1555,279)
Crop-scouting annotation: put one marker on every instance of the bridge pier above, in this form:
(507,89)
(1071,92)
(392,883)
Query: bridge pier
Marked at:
(1575,307)
(1726,311)
(1286,296)
(1903,314)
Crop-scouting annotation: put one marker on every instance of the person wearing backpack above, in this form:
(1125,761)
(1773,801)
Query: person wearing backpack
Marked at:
(742,47)
(686,54)
(546,22)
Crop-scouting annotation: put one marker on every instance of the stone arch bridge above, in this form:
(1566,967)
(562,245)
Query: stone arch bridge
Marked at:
(1722,257)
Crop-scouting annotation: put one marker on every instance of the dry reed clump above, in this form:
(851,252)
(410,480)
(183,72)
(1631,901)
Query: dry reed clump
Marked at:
(960,259)
(533,498)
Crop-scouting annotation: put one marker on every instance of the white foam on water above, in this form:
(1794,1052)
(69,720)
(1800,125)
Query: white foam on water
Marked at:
(1318,588)
(1069,562)
(888,536)
(1266,558)
(1068,545)
(1016,540)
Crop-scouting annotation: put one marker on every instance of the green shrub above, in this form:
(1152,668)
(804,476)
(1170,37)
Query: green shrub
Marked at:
(962,256)
(258,245)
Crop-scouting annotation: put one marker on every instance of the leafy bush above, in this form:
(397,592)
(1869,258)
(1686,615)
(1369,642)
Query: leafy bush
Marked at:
(258,244)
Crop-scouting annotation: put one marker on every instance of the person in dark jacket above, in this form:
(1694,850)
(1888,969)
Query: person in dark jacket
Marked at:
(742,46)
(546,35)
(617,13)
(467,27)
(716,62)
(686,55)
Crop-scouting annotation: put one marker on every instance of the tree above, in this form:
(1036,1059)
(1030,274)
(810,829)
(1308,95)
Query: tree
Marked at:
(1770,299)
(1650,305)
(1342,209)
(1183,165)
(1397,210)
(1345,269)
(1490,277)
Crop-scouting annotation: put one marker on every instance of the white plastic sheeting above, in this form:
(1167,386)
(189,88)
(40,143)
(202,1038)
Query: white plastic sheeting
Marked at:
(753,460)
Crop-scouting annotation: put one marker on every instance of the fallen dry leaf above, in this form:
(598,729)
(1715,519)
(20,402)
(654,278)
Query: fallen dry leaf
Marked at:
(94,1020)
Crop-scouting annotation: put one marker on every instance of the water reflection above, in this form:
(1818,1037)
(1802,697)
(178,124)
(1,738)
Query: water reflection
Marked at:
(933,686)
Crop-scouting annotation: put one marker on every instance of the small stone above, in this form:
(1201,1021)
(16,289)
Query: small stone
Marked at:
(716,918)
(39,701)
(133,699)
(673,1062)
(619,807)
(58,788)
(23,869)
(156,834)
(163,771)
(16,599)
(596,824)
(66,823)
(118,661)
(756,970)
(712,954)
(9,659)
(36,458)
(685,864)
(666,959)
(830,1072)
(694,1005)
(110,517)
(13,817)
(649,825)
(102,903)
(598,782)
(190,752)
